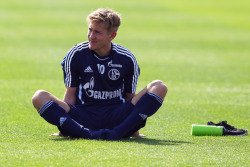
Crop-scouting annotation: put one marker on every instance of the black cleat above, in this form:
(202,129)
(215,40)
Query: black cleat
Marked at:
(229,130)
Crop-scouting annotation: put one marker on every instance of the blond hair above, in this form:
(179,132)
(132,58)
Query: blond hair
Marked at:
(111,18)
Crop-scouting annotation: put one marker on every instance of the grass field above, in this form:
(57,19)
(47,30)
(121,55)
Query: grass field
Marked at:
(199,49)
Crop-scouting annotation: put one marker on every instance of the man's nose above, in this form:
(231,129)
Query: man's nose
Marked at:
(91,35)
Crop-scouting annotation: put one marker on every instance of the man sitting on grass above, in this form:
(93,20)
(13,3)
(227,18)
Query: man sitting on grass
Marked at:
(101,79)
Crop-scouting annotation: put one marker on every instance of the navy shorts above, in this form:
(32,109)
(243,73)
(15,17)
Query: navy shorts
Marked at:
(103,116)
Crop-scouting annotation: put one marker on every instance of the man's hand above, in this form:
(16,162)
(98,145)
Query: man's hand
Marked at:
(137,134)
(59,134)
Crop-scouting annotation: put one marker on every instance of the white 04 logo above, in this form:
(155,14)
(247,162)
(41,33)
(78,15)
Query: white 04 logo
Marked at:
(101,68)
(114,74)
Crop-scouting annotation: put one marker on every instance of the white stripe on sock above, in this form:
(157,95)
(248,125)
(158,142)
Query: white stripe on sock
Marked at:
(45,107)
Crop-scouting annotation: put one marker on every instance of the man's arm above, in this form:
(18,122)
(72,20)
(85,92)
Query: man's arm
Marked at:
(70,95)
(129,96)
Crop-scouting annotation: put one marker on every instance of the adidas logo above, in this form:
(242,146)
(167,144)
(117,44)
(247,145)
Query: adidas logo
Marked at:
(62,120)
(88,69)
(143,116)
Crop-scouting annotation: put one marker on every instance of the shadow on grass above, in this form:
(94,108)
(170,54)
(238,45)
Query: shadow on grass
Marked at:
(146,141)
(149,141)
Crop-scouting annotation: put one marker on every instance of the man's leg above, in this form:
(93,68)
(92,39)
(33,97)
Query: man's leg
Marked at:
(42,96)
(156,87)
(146,102)
(54,111)
(56,115)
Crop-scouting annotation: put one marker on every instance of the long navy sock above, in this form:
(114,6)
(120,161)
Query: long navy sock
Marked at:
(56,115)
(145,107)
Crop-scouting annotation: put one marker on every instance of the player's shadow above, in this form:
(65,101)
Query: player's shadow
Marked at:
(150,141)
(146,141)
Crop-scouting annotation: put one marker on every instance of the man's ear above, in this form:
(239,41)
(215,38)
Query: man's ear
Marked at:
(113,35)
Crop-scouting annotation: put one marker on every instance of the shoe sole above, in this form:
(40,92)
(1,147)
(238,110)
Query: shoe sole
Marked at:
(244,134)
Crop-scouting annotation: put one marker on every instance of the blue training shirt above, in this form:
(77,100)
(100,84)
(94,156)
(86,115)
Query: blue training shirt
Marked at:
(100,79)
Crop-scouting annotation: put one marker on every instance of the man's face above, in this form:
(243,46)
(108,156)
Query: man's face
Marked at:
(99,37)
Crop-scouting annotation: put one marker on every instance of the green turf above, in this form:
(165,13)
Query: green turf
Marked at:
(199,49)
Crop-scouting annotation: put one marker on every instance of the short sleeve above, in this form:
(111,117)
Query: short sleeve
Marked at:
(69,67)
(131,78)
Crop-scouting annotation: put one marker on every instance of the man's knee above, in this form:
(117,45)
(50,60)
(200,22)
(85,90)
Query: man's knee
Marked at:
(39,98)
(158,84)
(158,87)
(39,95)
